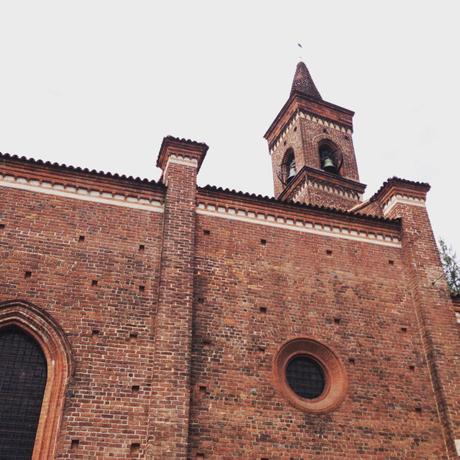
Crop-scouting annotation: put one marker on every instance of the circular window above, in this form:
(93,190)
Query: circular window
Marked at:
(310,375)
(305,376)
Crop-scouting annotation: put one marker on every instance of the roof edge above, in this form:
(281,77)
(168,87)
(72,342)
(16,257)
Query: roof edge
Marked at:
(301,206)
(76,169)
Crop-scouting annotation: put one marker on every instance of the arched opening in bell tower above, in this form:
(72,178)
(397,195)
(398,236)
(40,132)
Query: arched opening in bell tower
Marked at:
(330,157)
(289,168)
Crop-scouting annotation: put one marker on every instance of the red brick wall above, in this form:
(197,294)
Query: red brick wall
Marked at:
(109,326)
(220,297)
(434,313)
(354,300)
(172,359)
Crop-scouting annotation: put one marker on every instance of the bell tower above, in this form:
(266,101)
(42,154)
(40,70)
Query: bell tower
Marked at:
(311,146)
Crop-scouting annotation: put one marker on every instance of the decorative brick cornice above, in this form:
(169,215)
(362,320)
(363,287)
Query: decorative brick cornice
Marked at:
(308,116)
(327,188)
(302,224)
(178,160)
(400,191)
(77,192)
(322,180)
(320,109)
(68,170)
(402,199)
(181,151)
(212,193)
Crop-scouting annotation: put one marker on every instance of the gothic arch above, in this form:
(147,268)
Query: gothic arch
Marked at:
(324,139)
(288,165)
(42,327)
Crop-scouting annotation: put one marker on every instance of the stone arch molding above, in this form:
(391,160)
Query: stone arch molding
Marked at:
(56,348)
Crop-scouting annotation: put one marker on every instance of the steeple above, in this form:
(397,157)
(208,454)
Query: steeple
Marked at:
(311,147)
(303,83)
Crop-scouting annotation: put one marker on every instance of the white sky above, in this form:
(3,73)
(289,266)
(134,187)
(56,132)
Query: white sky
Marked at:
(99,83)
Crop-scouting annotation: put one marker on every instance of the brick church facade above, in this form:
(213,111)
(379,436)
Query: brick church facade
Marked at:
(162,320)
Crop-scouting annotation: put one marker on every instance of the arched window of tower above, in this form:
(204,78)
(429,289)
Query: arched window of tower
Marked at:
(330,157)
(289,168)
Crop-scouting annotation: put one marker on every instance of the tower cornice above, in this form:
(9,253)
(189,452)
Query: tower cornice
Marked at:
(298,102)
(322,179)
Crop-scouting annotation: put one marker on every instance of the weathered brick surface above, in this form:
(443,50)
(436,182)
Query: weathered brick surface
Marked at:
(171,389)
(239,414)
(202,348)
(324,198)
(41,235)
(434,313)
(176,299)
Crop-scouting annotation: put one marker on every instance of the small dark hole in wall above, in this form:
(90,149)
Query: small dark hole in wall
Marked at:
(133,335)
(391,262)
(337,320)
(135,446)
(95,332)
(404,329)
(141,288)
(351,360)
(206,232)
(263,242)
(135,388)
(141,248)
(27,274)
(412,367)
(329,252)
(324,130)
(263,309)
(200,300)
(74,444)
(206,341)
(202,388)
(295,128)
(346,137)
(261,347)
(284,143)
(94,283)
(418,409)
(81,238)
(2,226)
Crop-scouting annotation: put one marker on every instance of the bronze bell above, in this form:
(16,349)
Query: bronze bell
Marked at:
(292,171)
(329,165)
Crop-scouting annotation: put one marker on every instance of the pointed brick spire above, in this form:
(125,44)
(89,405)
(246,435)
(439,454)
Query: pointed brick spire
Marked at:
(303,83)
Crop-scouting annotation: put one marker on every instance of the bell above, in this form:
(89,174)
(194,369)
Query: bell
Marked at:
(329,165)
(292,171)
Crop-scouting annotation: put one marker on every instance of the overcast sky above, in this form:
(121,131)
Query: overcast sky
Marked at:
(99,83)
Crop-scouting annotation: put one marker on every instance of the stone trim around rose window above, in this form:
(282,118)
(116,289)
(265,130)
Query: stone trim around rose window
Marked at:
(336,381)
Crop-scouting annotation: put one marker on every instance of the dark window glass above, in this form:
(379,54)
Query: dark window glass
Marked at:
(305,376)
(22,384)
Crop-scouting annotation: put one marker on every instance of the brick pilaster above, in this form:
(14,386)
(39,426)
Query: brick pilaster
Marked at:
(432,304)
(180,161)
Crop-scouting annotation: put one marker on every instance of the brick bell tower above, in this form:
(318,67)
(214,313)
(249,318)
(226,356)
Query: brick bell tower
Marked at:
(311,146)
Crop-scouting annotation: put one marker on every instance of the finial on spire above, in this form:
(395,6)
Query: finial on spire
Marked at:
(300,58)
(303,83)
